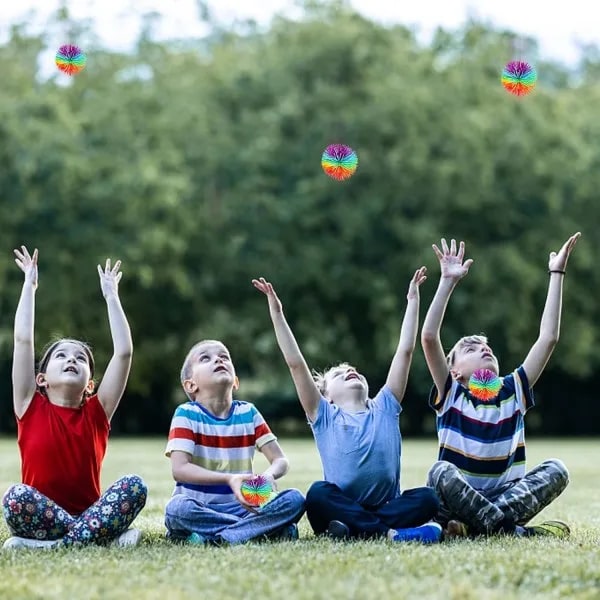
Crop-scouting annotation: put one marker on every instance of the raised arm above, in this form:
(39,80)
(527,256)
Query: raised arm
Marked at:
(308,392)
(453,269)
(115,377)
(550,324)
(398,373)
(23,369)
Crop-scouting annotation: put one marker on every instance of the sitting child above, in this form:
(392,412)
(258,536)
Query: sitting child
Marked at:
(63,429)
(359,440)
(480,476)
(211,447)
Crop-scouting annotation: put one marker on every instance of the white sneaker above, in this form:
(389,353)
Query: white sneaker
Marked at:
(15,542)
(130,537)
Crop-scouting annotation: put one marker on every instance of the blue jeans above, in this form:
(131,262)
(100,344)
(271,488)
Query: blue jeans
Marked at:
(326,502)
(231,522)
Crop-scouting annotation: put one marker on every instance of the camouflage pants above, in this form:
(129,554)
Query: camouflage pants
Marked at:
(490,511)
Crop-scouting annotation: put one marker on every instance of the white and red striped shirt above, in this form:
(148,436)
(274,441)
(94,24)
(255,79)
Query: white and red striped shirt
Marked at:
(217,444)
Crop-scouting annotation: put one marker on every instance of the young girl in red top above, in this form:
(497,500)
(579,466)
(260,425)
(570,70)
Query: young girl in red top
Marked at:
(63,428)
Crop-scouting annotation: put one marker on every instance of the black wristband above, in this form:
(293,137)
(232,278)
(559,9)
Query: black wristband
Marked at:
(557,271)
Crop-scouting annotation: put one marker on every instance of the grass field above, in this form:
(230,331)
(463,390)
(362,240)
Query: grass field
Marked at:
(500,568)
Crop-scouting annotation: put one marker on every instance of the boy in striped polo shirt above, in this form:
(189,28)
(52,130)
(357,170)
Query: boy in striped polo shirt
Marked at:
(480,476)
(211,446)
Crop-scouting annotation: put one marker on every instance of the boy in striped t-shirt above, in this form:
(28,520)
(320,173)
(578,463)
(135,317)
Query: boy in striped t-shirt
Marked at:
(480,476)
(211,445)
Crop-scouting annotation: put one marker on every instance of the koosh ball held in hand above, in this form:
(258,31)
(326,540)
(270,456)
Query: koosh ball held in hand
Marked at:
(484,385)
(258,491)
(519,77)
(70,59)
(339,161)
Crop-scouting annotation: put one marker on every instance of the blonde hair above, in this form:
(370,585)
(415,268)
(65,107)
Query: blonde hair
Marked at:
(464,341)
(320,379)
(186,369)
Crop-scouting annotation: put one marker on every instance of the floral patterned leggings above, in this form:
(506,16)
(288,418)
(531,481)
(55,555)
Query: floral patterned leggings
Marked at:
(30,514)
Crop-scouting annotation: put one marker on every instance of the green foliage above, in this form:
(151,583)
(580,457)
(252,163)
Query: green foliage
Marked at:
(197,164)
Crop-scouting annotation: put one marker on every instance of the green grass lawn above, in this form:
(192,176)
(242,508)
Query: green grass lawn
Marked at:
(499,568)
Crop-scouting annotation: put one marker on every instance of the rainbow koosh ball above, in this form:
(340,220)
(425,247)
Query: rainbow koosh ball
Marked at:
(484,385)
(519,78)
(70,59)
(258,491)
(339,161)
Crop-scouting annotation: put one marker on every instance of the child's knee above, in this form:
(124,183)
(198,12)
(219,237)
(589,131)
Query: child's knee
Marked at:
(317,493)
(140,489)
(559,470)
(439,473)
(17,493)
(430,500)
(295,497)
(177,506)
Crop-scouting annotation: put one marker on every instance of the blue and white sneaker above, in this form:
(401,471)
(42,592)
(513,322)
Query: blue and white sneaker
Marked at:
(430,533)
(289,533)
(193,539)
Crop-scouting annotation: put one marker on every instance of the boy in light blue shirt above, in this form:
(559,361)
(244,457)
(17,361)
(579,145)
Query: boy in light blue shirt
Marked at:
(359,440)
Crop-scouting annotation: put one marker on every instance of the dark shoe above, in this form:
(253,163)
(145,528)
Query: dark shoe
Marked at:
(289,533)
(556,529)
(338,530)
(455,529)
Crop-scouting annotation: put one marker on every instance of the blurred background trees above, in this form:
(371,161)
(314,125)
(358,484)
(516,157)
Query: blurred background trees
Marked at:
(197,163)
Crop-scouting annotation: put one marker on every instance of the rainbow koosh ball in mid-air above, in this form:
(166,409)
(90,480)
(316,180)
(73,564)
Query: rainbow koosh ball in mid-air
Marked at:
(258,490)
(484,385)
(519,77)
(339,161)
(70,59)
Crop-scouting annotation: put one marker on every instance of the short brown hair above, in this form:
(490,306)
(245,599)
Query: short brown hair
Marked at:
(464,341)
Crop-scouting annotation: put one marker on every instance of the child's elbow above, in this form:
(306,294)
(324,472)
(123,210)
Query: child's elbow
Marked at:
(284,465)
(550,341)
(428,337)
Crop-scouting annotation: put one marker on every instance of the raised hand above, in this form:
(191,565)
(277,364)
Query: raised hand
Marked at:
(28,264)
(109,278)
(451,260)
(418,278)
(558,261)
(267,289)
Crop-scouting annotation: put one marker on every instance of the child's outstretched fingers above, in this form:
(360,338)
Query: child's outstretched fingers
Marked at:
(558,261)
(27,263)
(263,285)
(451,259)
(266,288)
(110,277)
(420,276)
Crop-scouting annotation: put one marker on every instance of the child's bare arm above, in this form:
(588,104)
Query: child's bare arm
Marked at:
(278,463)
(453,269)
(308,392)
(115,377)
(185,471)
(398,373)
(543,347)
(23,369)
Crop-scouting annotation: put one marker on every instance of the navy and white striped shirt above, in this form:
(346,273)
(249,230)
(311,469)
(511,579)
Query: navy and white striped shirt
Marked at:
(485,440)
